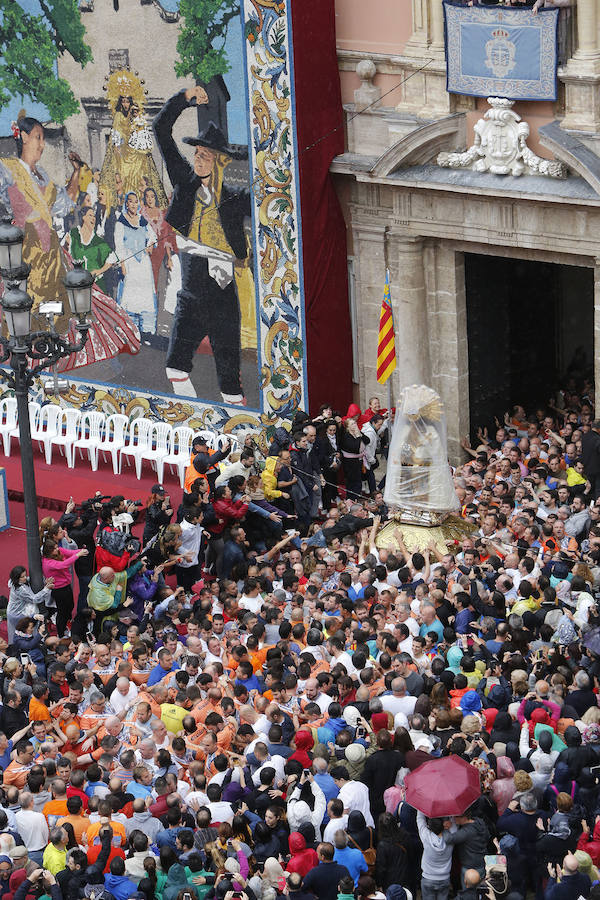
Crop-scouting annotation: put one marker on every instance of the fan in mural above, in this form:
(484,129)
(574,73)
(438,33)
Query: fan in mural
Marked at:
(34,201)
(128,164)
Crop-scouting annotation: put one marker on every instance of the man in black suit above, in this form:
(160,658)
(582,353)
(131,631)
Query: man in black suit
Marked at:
(208,217)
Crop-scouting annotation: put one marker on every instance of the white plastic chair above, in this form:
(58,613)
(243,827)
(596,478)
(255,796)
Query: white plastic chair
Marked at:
(209,437)
(8,421)
(91,427)
(222,440)
(46,428)
(113,439)
(180,453)
(34,415)
(137,443)
(159,445)
(67,433)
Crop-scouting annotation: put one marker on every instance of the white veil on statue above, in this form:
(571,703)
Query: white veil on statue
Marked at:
(419,486)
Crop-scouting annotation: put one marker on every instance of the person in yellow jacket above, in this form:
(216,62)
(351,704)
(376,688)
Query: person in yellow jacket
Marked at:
(575,476)
(269,479)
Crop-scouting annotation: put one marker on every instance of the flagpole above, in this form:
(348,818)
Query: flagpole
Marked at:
(391,378)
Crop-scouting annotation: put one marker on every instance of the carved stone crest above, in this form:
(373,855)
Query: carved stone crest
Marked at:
(501,146)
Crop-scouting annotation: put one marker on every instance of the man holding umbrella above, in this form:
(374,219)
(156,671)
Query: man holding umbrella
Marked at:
(448,787)
(436,861)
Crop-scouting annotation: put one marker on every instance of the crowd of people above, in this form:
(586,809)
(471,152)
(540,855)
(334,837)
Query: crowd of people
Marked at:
(224,696)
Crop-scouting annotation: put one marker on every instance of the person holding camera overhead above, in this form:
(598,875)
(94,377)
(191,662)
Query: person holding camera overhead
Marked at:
(158,513)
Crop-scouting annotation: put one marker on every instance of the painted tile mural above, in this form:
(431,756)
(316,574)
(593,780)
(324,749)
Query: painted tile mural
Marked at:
(158,146)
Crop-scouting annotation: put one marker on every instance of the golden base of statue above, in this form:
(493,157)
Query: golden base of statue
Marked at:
(418,537)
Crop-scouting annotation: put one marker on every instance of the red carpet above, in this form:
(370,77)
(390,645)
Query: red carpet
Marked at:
(55,484)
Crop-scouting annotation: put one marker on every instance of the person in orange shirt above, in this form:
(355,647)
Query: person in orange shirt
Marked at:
(97,712)
(154,697)
(57,807)
(210,705)
(104,667)
(105,811)
(38,711)
(141,666)
(76,818)
(16,772)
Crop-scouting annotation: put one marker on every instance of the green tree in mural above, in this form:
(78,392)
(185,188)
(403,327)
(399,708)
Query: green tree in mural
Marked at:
(29,48)
(201,42)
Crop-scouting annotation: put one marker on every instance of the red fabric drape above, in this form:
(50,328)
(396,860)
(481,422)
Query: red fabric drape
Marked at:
(320,128)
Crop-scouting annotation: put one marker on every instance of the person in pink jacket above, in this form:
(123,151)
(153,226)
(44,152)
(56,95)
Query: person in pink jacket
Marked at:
(57,563)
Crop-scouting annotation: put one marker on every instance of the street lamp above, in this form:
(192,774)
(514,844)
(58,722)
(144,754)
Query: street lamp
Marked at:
(29,353)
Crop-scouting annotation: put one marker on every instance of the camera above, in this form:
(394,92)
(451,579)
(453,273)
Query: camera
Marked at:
(134,502)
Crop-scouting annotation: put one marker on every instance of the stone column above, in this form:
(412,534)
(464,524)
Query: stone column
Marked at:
(582,73)
(409,303)
(587,30)
(448,343)
(597,326)
(421,34)
(437,26)
(369,255)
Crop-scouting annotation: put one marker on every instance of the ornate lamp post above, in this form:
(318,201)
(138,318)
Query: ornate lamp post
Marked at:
(29,353)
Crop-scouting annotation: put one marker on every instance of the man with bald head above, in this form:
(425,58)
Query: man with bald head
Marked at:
(33,828)
(57,807)
(104,667)
(107,591)
(123,695)
(568,885)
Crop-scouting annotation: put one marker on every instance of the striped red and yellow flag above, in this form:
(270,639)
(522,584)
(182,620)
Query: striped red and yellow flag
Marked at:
(386,344)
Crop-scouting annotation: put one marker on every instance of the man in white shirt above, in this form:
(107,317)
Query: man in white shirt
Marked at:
(32,827)
(337,819)
(123,695)
(399,701)
(336,647)
(353,794)
(313,694)
(191,542)
(220,811)
(251,599)
(405,618)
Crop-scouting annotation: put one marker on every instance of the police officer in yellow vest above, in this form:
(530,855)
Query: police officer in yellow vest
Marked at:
(208,217)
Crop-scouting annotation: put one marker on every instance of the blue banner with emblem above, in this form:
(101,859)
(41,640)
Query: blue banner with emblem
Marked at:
(501,52)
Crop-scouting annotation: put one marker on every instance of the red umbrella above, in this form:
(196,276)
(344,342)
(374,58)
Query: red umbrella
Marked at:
(443,787)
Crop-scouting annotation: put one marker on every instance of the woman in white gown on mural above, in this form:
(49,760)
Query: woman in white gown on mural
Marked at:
(134,241)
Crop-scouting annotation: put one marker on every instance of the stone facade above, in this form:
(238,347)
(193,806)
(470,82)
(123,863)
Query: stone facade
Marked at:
(418,220)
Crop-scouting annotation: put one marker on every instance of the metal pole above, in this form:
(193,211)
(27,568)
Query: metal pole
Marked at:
(34,559)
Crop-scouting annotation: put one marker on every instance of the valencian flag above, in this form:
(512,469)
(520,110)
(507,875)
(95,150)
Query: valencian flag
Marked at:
(386,344)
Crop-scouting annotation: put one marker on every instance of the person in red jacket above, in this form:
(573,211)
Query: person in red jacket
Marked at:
(589,841)
(228,511)
(302,859)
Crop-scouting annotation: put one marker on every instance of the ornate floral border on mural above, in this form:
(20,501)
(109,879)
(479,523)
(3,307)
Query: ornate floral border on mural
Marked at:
(275,184)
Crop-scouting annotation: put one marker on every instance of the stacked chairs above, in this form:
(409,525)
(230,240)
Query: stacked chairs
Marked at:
(91,428)
(137,440)
(67,432)
(180,453)
(113,439)
(34,415)
(8,421)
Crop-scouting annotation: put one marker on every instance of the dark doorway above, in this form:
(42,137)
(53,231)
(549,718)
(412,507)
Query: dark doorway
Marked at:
(526,324)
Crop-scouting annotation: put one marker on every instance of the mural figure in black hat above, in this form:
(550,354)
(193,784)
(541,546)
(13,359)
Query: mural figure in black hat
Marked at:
(208,217)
